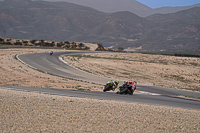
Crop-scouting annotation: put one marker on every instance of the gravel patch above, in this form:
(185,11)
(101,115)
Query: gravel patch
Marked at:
(34,112)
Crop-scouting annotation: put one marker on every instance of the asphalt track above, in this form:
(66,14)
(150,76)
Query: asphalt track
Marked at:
(51,64)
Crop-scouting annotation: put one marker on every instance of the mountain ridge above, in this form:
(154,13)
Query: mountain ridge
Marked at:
(63,21)
(111,6)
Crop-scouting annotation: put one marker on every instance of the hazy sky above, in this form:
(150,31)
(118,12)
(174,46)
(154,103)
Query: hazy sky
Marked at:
(161,3)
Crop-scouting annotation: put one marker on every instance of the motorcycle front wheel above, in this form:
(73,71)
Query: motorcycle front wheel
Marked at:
(107,88)
(123,90)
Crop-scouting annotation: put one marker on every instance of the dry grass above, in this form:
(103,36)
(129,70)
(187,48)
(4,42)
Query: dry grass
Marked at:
(158,70)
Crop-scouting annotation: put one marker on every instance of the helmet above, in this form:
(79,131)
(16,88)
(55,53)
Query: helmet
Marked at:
(117,81)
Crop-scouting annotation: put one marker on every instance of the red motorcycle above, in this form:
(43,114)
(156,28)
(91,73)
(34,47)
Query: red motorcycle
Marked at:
(51,53)
(127,88)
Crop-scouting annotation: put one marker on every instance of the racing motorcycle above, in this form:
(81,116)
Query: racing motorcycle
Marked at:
(108,86)
(51,53)
(127,88)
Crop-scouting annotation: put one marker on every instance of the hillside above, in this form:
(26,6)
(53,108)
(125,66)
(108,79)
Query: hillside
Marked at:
(62,21)
(48,21)
(166,10)
(111,6)
(176,31)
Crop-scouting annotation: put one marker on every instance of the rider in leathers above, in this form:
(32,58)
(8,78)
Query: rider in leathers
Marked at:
(131,87)
(114,84)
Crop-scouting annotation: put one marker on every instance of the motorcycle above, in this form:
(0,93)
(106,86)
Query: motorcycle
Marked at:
(108,87)
(51,53)
(127,88)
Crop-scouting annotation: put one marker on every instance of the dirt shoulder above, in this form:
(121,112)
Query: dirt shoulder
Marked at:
(157,70)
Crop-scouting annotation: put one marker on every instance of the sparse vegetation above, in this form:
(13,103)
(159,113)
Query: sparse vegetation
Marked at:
(157,70)
(120,48)
(42,43)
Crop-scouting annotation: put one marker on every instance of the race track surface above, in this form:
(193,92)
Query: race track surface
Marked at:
(51,64)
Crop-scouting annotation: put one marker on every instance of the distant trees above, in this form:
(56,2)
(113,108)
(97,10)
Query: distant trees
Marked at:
(186,55)
(48,44)
(120,48)
(74,45)
(67,42)
(18,43)
(25,43)
(60,44)
(1,40)
(100,47)
(33,41)
(81,45)
(43,43)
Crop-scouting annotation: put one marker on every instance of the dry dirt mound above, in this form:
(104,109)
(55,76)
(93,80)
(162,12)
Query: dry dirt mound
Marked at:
(92,46)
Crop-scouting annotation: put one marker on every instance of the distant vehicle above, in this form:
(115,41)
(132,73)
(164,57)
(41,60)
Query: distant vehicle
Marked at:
(51,53)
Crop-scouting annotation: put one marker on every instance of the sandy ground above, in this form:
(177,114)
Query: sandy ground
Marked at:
(34,112)
(158,70)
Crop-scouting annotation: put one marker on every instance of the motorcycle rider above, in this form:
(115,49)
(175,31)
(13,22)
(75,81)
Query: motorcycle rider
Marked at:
(132,85)
(114,84)
(51,52)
